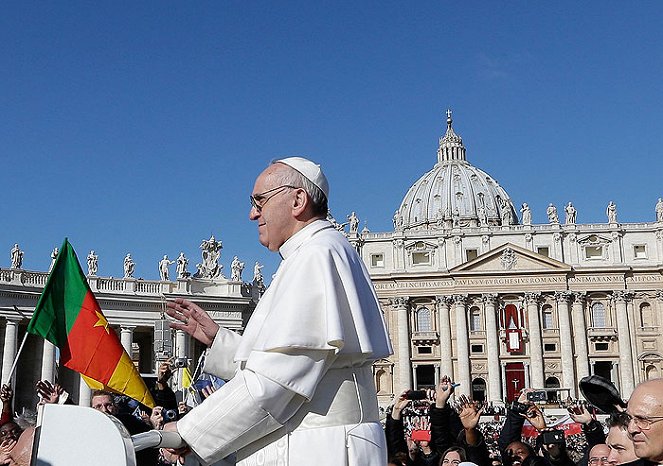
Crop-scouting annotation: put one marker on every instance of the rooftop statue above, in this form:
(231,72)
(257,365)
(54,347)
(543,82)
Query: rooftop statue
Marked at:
(164,273)
(236,269)
(611,212)
(211,252)
(129,266)
(16,257)
(527,214)
(92,264)
(570,214)
(54,256)
(354,223)
(182,263)
(258,279)
(551,211)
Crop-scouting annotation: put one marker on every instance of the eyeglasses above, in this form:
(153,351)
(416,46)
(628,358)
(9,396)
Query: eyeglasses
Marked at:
(594,460)
(255,198)
(643,423)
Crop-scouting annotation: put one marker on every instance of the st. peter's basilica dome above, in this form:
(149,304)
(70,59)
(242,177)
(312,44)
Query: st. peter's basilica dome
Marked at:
(454,193)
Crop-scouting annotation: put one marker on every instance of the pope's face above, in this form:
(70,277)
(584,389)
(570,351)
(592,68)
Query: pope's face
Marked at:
(274,214)
(645,404)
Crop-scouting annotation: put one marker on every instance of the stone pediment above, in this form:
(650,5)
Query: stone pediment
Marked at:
(594,240)
(509,258)
(420,246)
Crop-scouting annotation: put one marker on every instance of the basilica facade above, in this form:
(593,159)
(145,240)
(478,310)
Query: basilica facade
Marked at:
(472,291)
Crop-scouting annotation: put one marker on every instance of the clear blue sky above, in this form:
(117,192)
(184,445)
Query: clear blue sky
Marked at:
(140,126)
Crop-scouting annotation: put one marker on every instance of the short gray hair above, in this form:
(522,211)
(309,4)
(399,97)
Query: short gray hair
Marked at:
(292,177)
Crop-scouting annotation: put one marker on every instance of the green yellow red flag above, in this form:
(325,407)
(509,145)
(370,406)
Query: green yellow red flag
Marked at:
(69,316)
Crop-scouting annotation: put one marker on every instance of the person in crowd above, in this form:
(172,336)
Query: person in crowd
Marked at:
(300,376)
(394,429)
(598,455)
(514,451)
(6,396)
(104,401)
(419,445)
(162,393)
(592,428)
(622,451)
(645,410)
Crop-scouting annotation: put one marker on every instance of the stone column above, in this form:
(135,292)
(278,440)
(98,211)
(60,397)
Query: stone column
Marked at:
(528,380)
(535,342)
(580,335)
(625,352)
(181,350)
(615,374)
(437,374)
(415,382)
(9,347)
(504,390)
(401,305)
(446,364)
(566,342)
(127,337)
(462,346)
(84,393)
(493,350)
(48,362)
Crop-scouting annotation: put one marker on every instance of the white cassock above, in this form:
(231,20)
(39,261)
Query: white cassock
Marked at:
(301,389)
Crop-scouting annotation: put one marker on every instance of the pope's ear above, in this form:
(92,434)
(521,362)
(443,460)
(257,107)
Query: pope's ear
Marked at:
(300,202)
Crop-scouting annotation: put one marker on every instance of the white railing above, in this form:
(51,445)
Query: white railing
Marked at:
(110,284)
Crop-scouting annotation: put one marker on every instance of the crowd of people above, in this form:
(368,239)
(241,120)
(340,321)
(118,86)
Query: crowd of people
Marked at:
(16,430)
(433,429)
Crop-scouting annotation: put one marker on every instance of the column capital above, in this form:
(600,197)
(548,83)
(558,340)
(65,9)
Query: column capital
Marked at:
(532,297)
(400,302)
(563,296)
(444,300)
(659,295)
(579,296)
(622,296)
(13,320)
(127,328)
(489,298)
(460,299)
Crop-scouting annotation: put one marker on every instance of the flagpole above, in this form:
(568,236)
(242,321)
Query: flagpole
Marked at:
(20,349)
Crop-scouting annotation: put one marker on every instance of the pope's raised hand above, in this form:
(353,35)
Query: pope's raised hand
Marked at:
(190,318)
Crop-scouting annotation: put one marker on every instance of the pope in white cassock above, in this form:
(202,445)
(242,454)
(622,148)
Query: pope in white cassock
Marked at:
(301,387)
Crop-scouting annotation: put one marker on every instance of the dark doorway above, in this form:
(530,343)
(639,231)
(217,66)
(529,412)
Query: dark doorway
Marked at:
(604,369)
(479,389)
(425,377)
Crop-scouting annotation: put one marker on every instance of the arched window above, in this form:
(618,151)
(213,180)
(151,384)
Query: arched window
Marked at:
(479,389)
(379,380)
(552,382)
(651,371)
(424,323)
(475,319)
(646,315)
(547,320)
(598,315)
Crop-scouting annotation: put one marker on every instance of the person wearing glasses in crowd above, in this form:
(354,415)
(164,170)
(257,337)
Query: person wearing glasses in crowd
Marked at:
(598,455)
(645,411)
(301,387)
